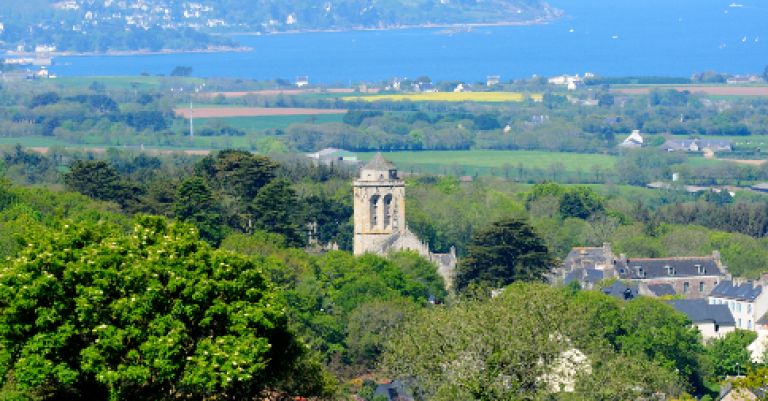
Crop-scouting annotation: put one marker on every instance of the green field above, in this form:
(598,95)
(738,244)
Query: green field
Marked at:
(482,162)
(253,125)
(127,83)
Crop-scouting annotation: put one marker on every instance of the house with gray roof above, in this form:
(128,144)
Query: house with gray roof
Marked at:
(712,320)
(586,266)
(747,300)
(690,277)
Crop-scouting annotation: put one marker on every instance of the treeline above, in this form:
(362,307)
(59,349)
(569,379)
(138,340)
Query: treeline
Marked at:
(186,320)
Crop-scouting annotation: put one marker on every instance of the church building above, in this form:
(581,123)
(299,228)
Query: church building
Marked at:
(379,217)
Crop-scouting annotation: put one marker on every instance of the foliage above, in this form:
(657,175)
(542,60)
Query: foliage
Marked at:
(155,314)
(276,209)
(729,355)
(505,252)
(195,204)
(99,180)
(517,346)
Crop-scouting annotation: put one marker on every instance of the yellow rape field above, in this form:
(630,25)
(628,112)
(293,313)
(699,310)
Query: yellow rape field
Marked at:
(453,97)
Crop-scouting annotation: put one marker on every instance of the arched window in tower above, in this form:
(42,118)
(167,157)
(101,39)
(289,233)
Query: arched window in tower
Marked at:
(387,210)
(374,215)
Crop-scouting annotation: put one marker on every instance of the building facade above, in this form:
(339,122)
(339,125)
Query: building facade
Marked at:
(379,217)
(747,301)
(689,277)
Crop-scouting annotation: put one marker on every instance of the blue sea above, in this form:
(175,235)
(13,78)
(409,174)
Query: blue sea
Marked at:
(607,37)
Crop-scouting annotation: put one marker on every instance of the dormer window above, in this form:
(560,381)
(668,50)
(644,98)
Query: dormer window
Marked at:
(670,270)
(701,269)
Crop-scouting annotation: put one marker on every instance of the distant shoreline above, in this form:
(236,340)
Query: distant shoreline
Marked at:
(243,49)
(536,21)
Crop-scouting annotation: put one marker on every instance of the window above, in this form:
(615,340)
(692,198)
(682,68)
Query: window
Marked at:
(749,308)
(374,211)
(739,323)
(738,307)
(701,286)
(749,324)
(686,286)
(387,211)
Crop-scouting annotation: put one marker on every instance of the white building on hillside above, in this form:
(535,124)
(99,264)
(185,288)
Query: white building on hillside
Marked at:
(746,300)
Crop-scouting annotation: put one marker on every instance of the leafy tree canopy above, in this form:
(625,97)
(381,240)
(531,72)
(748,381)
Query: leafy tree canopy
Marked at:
(507,251)
(91,313)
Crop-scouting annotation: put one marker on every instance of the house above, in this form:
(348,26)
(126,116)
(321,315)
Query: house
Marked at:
(302,81)
(690,277)
(392,391)
(762,187)
(712,320)
(746,300)
(586,265)
(698,145)
(633,141)
(730,393)
(573,82)
(492,80)
(331,155)
(462,87)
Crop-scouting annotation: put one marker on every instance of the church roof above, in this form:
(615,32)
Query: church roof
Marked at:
(379,163)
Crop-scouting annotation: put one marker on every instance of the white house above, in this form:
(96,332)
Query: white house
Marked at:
(573,82)
(633,141)
(302,81)
(746,300)
(712,320)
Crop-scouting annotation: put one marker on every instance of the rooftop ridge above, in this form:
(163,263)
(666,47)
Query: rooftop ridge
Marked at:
(379,163)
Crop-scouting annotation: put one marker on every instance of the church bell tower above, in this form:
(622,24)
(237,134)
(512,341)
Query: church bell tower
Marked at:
(379,203)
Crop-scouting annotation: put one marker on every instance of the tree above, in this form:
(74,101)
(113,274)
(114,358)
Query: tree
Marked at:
(580,202)
(195,204)
(729,355)
(520,345)
(236,172)
(654,330)
(92,313)
(276,209)
(507,251)
(99,180)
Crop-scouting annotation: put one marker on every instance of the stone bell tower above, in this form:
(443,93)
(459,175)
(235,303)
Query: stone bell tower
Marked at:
(379,203)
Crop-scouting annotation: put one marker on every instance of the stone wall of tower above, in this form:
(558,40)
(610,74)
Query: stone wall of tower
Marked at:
(379,213)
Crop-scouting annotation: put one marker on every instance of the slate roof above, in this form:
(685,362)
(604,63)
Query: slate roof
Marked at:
(585,257)
(392,391)
(635,269)
(763,320)
(699,311)
(743,292)
(584,276)
(621,291)
(379,163)
(661,290)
